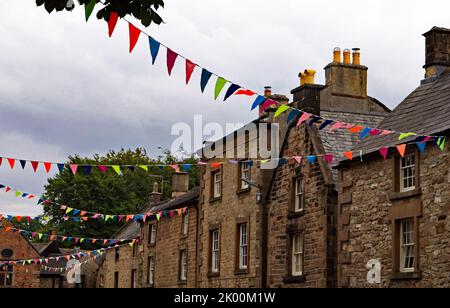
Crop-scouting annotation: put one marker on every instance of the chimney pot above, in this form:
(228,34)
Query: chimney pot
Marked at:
(267,91)
(155,195)
(356,56)
(347,56)
(337,55)
(307,77)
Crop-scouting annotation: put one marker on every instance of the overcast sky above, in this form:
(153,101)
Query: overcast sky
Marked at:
(67,88)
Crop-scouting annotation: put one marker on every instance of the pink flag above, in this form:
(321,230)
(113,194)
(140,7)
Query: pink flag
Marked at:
(298,159)
(102,169)
(384,152)
(305,116)
(74,168)
(328,158)
(176,168)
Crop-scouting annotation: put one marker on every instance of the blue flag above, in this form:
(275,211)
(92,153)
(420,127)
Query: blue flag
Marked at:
(258,101)
(154,48)
(231,90)
(206,75)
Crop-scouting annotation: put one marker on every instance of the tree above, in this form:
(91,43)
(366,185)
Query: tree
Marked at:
(143,10)
(107,193)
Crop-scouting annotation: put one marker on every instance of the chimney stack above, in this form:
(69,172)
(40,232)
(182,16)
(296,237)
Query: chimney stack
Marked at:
(307,77)
(347,79)
(180,184)
(155,195)
(437,58)
(267,91)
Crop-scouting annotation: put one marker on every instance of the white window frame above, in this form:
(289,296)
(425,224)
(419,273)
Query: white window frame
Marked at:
(185,227)
(297,254)
(407,246)
(245,175)
(215,251)
(299,205)
(151,271)
(152,234)
(243,246)
(134,278)
(7,270)
(183,265)
(408,173)
(217,182)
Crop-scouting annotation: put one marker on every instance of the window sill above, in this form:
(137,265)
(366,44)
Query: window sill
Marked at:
(241,272)
(406,276)
(293,215)
(294,279)
(403,195)
(182,282)
(152,245)
(243,191)
(214,200)
(184,236)
(212,275)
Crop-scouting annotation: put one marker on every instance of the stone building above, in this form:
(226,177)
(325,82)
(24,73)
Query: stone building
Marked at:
(303,196)
(394,213)
(166,256)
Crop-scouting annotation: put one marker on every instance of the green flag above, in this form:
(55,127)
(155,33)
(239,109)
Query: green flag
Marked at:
(281,110)
(144,167)
(117,169)
(221,82)
(89,8)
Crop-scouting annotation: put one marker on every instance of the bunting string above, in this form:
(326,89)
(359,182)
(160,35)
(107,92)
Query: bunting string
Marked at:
(63,269)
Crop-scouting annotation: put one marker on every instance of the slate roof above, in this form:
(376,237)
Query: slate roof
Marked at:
(425,111)
(132,230)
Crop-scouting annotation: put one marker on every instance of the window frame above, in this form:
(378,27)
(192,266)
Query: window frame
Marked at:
(214,196)
(240,247)
(412,245)
(134,278)
(183,266)
(151,263)
(7,270)
(185,224)
(152,233)
(214,254)
(295,253)
(243,186)
(401,170)
(116,280)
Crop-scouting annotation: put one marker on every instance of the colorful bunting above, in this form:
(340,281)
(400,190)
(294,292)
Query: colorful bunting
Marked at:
(171,58)
(305,116)
(281,110)
(134,36)
(258,101)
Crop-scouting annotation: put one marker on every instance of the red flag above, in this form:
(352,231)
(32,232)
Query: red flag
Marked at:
(134,36)
(48,167)
(35,165)
(1,160)
(218,165)
(113,18)
(190,66)
(384,152)
(171,58)
(245,92)
(11,162)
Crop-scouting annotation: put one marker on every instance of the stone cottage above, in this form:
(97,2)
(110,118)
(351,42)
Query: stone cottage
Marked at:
(394,225)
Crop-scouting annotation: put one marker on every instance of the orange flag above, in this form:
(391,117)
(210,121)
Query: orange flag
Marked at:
(401,149)
(349,155)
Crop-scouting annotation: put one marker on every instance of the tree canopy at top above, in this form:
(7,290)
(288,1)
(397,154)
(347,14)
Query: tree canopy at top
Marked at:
(143,10)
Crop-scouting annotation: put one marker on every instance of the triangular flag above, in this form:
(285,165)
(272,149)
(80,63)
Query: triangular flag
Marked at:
(231,90)
(89,8)
(102,169)
(144,167)
(349,155)
(245,92)
(312,159)
(421,146)
(406,135)
(23,163)
(11,162)
(292,115)
(298,159)
(328,158)
(112,22)
(384,152)
(176,168)
(134,36)
(35,165)
(441,143)
(401,149)
(61,167)
(365,132)
(48,167)
(305,116)
(281,110)
(206,75)
(190,66)
(325,124)
(154,48)
(117,170)
(74,168)
(87,169)
(258,101)
(221,82)
(171,58)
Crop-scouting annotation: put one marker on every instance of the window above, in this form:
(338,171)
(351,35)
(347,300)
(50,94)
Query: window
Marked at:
(243,246)
(135,247)
(102,281)
(298,195)
(244,175)
(152,234)
(408,173)
(183,265)
(117,254)
(216,184)
(297,255)
(57,283)
(185,224)
(116,280)
(151,271)
(134,279)
(6,275)
(407,246)
(215,251)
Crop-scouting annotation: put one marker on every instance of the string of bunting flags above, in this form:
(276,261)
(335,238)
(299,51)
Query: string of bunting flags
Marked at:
(83,254)
(69,239)
(62,269)
(234,89)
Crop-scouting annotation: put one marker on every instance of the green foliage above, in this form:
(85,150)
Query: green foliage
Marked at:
(143,10)
(108,193)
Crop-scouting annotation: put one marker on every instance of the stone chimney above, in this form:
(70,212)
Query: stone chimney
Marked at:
(347,78)
(437,58)
(155,195)
(180,184)
(307,95)
(263,110)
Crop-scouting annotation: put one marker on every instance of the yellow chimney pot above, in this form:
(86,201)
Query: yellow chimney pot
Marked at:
(307,77)
(356,56)
(337,55)
(347,56)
